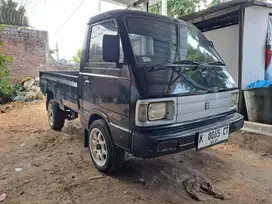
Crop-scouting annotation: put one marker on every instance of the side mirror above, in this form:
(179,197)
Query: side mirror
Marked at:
(111,48)
(211,43)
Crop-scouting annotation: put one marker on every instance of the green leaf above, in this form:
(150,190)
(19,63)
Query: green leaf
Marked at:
(182,7)
(6,87)
(77,57)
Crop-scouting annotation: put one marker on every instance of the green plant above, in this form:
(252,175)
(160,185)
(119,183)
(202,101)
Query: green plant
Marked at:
(77,57)
(215,2)
(179,8)
(6,87)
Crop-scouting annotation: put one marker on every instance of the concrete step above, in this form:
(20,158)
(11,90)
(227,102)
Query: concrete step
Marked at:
(258,128)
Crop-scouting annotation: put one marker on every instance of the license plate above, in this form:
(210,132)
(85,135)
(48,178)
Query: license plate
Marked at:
(212,137)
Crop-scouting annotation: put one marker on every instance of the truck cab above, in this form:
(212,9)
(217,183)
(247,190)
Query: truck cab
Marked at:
(149,85)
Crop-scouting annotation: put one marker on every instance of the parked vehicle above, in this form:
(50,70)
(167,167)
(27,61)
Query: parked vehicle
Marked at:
(149,85)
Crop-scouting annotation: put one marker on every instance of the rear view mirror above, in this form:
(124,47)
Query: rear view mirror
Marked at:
(111,48)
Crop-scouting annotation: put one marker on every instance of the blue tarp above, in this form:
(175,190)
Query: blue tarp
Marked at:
(260,83)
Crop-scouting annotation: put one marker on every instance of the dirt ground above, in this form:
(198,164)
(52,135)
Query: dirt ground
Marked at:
(39,165)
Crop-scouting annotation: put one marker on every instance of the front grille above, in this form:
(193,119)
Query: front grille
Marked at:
(176,128)
(201,106)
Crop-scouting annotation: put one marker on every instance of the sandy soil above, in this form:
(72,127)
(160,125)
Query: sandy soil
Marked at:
(55,168)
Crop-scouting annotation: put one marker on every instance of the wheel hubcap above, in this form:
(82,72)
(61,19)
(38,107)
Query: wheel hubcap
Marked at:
(98,147)
(50,114)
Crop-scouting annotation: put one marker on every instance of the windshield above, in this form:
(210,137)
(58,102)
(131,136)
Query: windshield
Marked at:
(159,42)
(176,58)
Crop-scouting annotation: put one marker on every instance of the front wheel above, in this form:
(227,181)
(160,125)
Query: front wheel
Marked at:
(106,157)
(56,117)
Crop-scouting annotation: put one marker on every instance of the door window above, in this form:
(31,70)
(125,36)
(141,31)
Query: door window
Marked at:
(95,49)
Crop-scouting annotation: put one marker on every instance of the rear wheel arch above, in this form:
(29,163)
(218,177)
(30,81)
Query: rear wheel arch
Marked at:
(49,94)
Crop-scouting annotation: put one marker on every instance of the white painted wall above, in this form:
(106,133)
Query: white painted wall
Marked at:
(255,31)
(226,42)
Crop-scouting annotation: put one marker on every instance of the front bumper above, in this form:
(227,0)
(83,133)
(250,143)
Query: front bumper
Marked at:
(150,143)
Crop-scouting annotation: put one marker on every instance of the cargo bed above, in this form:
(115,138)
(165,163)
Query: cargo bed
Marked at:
(63,85)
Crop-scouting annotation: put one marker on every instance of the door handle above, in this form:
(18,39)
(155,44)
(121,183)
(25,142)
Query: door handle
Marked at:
(87,81)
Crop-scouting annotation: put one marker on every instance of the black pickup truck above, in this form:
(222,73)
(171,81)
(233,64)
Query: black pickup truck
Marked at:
(148,84)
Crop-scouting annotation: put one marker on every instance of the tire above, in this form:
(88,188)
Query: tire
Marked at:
(56,116)
(111,158)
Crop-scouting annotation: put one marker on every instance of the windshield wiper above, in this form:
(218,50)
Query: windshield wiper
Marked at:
(174,64)
(190,62)
(216,63)
(195,64)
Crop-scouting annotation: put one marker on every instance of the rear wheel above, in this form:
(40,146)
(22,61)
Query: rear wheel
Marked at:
(106,157)
(56,116)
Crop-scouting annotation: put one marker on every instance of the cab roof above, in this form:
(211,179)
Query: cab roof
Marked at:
(124,12)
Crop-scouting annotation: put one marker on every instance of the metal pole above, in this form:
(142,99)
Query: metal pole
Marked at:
(146,6)
(164,7)
(57,51)
(241,19)
(99,6)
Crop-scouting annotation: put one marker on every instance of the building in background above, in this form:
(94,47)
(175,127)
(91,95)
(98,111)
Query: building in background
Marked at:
(238,30)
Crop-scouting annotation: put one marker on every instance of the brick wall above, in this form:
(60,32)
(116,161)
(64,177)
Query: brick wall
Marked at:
(29,49)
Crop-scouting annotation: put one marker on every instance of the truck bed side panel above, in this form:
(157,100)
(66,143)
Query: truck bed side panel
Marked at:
(63,85)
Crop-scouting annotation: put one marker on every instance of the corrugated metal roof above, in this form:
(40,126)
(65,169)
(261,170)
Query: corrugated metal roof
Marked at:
(239,4)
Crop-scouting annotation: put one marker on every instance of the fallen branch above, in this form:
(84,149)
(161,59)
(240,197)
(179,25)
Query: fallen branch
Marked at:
(201,189)
(96,177)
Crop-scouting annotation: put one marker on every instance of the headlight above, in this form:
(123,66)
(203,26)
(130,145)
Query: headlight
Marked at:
(156,111)
(234,98)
